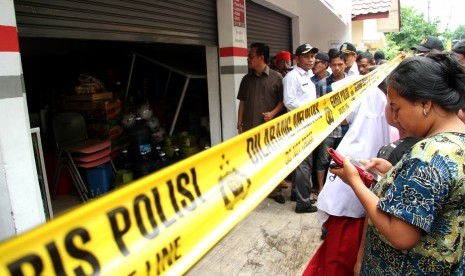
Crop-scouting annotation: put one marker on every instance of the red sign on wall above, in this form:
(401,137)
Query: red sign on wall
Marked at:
(239,13)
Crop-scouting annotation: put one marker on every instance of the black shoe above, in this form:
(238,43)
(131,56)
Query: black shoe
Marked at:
(293,197)
(305,209)
(323,234)
(279,198)
(312,201)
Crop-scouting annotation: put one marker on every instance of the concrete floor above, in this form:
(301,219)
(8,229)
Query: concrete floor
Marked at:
(272,240)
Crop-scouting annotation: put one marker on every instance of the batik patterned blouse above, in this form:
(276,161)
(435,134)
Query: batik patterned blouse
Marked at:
(427,189)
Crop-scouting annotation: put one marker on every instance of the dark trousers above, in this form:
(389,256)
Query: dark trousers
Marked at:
(302,181)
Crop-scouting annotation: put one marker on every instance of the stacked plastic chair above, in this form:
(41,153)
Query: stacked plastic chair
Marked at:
(76,151)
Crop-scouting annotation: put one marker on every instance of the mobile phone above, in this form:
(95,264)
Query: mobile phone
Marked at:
(367,175)
(376,177)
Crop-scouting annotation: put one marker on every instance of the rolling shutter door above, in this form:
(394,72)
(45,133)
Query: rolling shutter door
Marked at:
(270,27)
(162,21)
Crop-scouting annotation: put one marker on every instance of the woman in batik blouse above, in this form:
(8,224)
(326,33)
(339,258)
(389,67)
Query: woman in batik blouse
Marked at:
(416,211)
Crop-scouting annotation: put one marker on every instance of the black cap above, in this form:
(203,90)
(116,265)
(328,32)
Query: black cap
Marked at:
(348,48)
(305,48)
(322,57)
(429,43)
(459,47)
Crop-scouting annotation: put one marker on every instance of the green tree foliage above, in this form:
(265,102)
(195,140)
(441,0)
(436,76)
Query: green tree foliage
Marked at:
(459,33)
(413,29)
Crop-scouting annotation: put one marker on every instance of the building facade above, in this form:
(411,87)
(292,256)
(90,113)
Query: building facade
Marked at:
(195,38)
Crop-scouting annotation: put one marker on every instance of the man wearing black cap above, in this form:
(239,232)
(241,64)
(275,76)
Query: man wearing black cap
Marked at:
(350,53)
(459,50)
(299,90)
(430,44)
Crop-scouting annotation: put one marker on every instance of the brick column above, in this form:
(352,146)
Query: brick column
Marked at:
(20,198)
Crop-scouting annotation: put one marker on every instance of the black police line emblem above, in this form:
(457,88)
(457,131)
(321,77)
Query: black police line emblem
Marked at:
(329,115)
(234,185)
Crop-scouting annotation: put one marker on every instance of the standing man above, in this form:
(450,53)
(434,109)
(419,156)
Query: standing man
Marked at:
(379,57)
(337,64)
(459,50)
(320,69)
(283,62)
(299,90)
(260,95)
(364,62)
(350,56)
(429,44)
(283,66)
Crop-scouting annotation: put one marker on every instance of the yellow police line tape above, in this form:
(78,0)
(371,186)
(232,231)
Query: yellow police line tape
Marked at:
(165,222)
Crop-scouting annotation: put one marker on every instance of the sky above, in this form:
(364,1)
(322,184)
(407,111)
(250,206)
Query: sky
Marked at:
(450,12)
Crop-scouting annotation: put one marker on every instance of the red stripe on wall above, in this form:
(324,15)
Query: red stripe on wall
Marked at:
(233,52)
(8,39)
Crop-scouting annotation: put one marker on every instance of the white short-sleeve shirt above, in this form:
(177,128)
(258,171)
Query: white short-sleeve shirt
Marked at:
(298,88)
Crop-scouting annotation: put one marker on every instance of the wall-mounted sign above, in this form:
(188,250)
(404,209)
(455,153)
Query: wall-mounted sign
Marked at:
(239,13)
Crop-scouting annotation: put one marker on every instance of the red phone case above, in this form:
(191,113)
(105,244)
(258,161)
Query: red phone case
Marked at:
(367,178)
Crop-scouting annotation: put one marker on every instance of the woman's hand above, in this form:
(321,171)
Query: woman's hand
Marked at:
(378,165)
(348,173)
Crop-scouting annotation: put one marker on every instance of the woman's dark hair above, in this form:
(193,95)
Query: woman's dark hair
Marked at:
(436,77)
(262,50)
